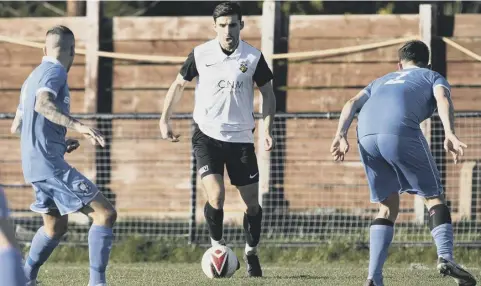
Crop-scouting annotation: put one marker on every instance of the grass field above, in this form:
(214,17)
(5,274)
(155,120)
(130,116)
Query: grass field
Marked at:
(53,274)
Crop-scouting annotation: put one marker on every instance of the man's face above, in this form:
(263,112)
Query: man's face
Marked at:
(72,54)
(228,31)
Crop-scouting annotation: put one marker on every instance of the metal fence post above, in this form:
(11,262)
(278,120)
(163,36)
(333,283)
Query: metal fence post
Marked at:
(193,193)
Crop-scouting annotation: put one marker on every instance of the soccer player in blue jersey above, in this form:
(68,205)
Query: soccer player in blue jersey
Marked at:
(396,155)
(42,120)
(11,272)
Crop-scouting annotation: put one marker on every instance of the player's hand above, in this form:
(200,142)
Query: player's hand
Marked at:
(72,145)
(339,148)
(269,142)
(453,145)
(166,132)
(92,134)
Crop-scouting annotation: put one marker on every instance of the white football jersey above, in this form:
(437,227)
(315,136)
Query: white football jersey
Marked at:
(224,93)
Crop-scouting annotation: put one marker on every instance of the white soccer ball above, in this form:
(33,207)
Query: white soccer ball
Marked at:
(219,262)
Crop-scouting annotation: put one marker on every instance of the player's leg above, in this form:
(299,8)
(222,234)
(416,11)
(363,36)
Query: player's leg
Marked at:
(210,167)
(418,168)
(442,232)
(384,187)
(100,238)
(11,271)
(214,207)
(44,242)
(244,174)
(48,236)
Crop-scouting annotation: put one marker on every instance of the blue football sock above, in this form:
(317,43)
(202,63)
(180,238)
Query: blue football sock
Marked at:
(100,244)
(443,237)
(11,271)
(40,250)
(442,230)
(381,235)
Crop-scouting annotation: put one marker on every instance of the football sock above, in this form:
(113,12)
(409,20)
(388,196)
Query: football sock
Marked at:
(40,249)
(381,235)
(252,231)
(11,271)
(442,230)
(215,220)
(100,245)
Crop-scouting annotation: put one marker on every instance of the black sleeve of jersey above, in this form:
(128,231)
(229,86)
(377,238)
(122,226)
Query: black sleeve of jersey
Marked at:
(263,73)
(189,70)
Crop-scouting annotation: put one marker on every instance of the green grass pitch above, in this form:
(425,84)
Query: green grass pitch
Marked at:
(336,273)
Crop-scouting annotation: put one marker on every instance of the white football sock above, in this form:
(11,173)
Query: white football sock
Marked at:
(215,242)
(250,249)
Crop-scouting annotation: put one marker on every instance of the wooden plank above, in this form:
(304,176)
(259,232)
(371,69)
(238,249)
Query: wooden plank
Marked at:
(13,77)
(467,129)
(332,100)
(353,26)
(34,29)
(386,54)
(9,101)
(83,159)
(360,74)
(466,187)
(19,198)
(176,28)
(14,55)
(179,48)
(310,139)
(300,75)
(91,59)
(126,101)
(467,25)
(18,55)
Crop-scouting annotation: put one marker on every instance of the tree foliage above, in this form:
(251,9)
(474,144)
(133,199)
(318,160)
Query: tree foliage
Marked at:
(190,8)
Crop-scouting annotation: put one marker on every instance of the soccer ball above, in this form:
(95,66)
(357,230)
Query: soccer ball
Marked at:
(219,262)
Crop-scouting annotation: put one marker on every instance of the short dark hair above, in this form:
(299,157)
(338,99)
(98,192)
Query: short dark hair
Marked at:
(227,9)
(60,30)
(415,51)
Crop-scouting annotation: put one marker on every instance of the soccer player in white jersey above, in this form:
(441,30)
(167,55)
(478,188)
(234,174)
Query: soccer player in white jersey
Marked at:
(42,119)
(226,69)
(11,271)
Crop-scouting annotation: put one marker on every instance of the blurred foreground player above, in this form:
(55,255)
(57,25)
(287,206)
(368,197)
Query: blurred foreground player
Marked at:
(42,120)
(11,271)
(396,155)
(227,68)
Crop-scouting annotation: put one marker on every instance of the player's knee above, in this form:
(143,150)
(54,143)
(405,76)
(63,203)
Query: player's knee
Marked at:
(56,230)
(252,209)
(106,217)
(217,202)
(388,212)
(431,202)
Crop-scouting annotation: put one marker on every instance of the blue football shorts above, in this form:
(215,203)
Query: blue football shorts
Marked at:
(67,192)
(399,164)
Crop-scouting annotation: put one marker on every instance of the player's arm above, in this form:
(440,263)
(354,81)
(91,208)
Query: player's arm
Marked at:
(263,77)
(45,105)
(174,94)
(17,123)
(445,108)
(348,112)
(268,106)
(187,73)
(50,85)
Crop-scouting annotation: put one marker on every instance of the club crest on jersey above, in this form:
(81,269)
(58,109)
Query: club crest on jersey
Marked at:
(243,67)
(218,260)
